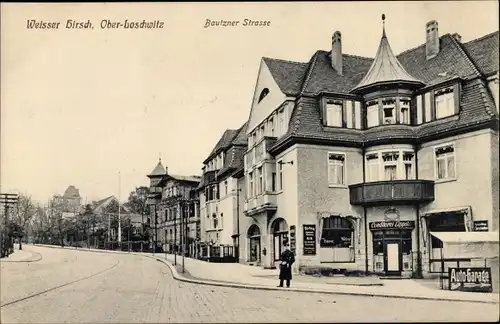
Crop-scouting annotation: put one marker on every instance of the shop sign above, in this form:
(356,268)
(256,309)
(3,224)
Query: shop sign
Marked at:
(470,279)
(392,225)
(481,226)
(292,238)
(309,239)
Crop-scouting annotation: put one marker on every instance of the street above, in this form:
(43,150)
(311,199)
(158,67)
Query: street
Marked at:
(85,287)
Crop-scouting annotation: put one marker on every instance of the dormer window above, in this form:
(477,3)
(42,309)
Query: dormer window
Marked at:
(445,103)
(334,114)
(263,94)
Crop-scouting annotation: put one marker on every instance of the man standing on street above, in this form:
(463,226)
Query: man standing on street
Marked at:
(287,259)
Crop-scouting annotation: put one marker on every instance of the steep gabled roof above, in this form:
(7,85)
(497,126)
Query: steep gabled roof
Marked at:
(223,143)
(385,69)
(287,74)
(484,52)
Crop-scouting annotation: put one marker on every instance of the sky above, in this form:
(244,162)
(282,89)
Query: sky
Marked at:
(96,108)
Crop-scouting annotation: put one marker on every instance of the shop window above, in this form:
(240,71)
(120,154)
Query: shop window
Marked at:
(445,222)
(337,240)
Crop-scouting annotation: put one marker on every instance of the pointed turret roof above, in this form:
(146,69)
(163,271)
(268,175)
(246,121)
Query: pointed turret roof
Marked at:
(385,68)
(159,170)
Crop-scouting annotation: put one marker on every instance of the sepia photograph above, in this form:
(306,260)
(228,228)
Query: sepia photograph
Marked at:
(249,162)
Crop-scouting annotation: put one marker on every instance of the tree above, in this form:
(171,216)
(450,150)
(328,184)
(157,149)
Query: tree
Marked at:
(23,213)
(137,203)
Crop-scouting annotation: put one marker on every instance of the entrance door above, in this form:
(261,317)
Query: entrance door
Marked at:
(392,258)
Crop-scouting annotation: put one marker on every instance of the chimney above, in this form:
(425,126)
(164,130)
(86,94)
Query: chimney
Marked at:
(432,39)
(457,37)
(337,52)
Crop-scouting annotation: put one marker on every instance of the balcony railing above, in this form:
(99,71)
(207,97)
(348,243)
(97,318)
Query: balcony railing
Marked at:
(394,192)
(261,203)
(259,152)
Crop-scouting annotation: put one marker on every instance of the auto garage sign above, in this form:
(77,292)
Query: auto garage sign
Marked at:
(470,279)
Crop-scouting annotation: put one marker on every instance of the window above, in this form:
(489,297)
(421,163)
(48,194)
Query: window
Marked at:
(337,234)
(225,187)
(336,169)
(263,94)
(280,172)
(404,110)
(388,106)
(221,220)
(372,165)
(334,114)
(271,126)
(408,165)
(254,138)
(390,165)
(445,162)
(281,120)
(372,114)
(250,183)
(215,222)
(447,222)
(260,188)
(444,103)
(273,182)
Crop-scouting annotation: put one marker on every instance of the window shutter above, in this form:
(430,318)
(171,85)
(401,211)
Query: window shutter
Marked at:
(433,106)
(456,97)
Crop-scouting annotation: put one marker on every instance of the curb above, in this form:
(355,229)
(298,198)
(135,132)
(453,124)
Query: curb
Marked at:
(34,258)
(181,278)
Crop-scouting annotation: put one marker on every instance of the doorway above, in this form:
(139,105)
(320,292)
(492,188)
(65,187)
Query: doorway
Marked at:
(254,254)
(393,258)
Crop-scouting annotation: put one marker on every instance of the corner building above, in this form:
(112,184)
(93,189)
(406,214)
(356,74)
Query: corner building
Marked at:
(357,160)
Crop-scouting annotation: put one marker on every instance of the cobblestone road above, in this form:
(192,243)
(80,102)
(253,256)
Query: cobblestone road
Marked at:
(114,288)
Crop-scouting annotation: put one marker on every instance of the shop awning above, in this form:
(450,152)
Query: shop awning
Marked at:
(466,237)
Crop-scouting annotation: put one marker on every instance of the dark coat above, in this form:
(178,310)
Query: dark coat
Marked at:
(288,258)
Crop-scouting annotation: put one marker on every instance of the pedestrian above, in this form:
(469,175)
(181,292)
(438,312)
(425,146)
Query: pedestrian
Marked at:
(287,258)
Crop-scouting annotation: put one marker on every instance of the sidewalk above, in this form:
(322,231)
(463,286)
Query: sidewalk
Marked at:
(22,256)
(244,276)
(249,277)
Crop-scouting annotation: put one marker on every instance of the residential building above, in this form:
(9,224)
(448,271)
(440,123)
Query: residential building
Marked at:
(174,211)
(69,204)
(355,161)
(219,193)
(101,212)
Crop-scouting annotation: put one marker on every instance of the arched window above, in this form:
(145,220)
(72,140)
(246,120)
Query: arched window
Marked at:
(253,231)
(263,94)
(279,228)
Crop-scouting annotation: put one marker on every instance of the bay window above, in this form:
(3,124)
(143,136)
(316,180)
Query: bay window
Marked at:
(372,114)
(404,111)
(372,166)
(445,162)
(250,185)
(408,165)
(336,169)
(390,165)
(389,107)
(260,186)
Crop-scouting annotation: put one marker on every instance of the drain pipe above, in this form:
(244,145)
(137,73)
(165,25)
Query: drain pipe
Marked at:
(418,274)
(364,209)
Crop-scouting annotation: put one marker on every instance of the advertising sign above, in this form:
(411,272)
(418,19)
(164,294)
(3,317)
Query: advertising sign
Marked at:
(470,279)
(392,225)
(309,239)
(481,226)
(292,239)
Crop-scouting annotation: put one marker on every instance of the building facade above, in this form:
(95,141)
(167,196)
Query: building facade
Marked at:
(220,194)
(174,211)
(355,161)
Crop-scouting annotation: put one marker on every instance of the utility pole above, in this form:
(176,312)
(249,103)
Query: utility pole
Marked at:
(9,201)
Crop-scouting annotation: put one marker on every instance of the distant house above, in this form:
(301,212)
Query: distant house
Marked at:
(100,208)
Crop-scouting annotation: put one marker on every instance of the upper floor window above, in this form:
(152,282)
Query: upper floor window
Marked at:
(372,118)
(280,175)
(390,160)
(250,185)
(281,122)
(336,168)
(372,166)
(271,126)
(263,94)
(445,162)
(389,113)
(260,187)
(225,187)
(404,111)
(444,102)
(334,114)
(408,165)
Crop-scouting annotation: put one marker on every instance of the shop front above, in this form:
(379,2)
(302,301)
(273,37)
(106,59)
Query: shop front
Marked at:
(392,247)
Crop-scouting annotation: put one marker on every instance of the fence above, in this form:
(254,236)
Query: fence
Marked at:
(219,253)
